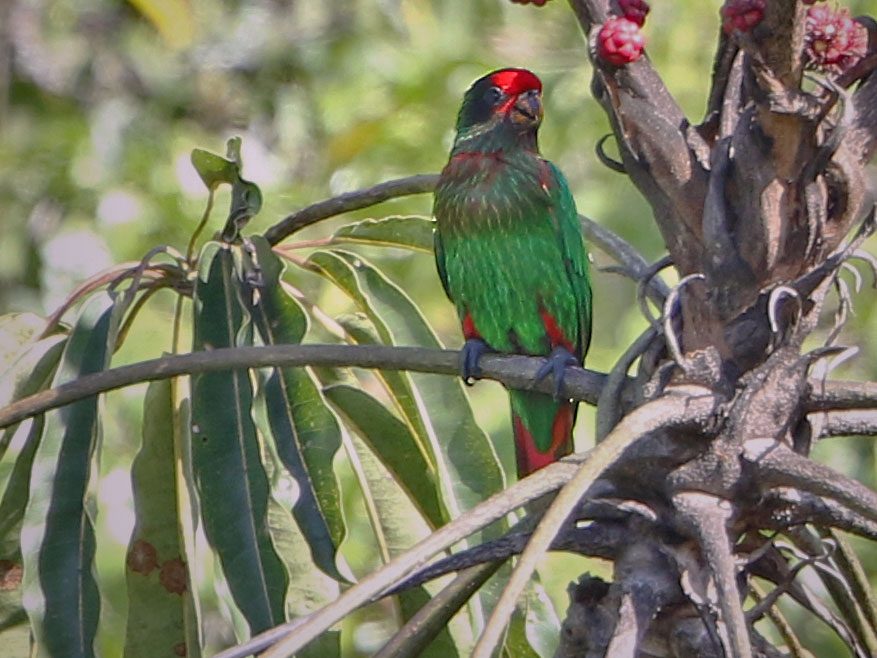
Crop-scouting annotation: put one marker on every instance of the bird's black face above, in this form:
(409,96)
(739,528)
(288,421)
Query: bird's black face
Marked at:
(514,95)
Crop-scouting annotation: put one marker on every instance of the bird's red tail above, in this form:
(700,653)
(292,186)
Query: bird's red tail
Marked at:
(539,443)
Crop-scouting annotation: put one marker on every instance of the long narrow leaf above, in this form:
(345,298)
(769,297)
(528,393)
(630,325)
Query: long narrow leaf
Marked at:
(58,540)
(40,362)
(17,331)
(408,232)
(309,587)
(232,484)
(435,407)
(392,442)
(466,459)
(28,373)
(20,443)
(359,329)
(399,526)
(156,572)
(306,433)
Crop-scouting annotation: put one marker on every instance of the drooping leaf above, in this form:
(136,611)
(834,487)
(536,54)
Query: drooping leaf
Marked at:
(17,331)
(362,331)
(392,442)
(534,629)
(232,484)
(406,231)
(540,620)
(516,644)
(27,371)
(19,443)
(246,197)
(398,525)
(306,433)
(58,542)
(466,461)
(310,588)
(213,169)
(156,571)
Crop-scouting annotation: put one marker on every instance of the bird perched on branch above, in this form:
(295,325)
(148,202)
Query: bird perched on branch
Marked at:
(511,256)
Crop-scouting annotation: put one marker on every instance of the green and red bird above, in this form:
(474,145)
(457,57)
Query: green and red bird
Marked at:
(511,255)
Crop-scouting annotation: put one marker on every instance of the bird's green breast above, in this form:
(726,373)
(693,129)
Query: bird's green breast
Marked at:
(497,222)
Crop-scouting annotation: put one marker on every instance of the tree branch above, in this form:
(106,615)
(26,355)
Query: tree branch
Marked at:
(684,407)
(847,423)
(837,396)
(512,371)
(662,153)
(708,517)
(294,635)
(343,203)
(607,241)
(424,625)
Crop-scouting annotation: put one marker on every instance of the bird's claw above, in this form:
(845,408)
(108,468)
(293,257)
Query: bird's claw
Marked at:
(556,365)
(472,351)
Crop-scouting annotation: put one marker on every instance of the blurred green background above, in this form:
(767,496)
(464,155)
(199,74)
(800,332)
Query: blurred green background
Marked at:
(101,103)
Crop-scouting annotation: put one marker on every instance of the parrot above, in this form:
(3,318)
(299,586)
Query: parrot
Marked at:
(511,255)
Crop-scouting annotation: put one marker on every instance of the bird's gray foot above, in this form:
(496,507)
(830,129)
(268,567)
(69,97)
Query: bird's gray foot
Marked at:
(556,364)
(472,351)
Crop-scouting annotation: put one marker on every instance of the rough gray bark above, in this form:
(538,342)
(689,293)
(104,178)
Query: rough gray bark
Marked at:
(756,205)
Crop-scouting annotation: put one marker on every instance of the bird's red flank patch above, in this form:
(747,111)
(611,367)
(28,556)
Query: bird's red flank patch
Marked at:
(529,458)
(555,334)
(469,330)
(516,81)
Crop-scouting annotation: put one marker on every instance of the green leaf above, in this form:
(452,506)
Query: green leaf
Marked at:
(394,445)
(246,197)
(540,620)
(17,331)
(156,572)
(246,202)
(30,373)
(214,169)
(466,461)
(363,332)
(20,443)
(534,629)
(309,587)
(232,484)
(58,541)
(306,433)
(29,370)
(16,474)
(405,231)
(516,644)
(398,525)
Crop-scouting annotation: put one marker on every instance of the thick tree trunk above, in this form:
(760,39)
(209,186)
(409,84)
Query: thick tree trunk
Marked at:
(755,205)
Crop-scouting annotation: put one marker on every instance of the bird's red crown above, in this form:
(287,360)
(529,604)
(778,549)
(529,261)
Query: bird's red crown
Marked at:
(516,81)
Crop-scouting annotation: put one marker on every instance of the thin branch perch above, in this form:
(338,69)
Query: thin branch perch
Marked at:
(513,371)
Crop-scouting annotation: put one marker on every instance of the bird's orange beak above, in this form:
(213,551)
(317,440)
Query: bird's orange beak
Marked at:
(527,108)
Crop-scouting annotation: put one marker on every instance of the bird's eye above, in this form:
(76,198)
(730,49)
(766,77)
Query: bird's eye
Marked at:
(494,94)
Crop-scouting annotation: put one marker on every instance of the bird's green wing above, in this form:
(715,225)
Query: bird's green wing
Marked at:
(440,262)
(575,256)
